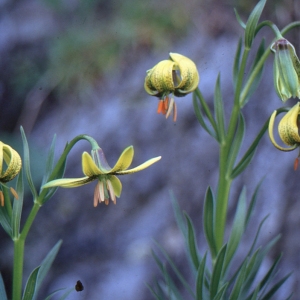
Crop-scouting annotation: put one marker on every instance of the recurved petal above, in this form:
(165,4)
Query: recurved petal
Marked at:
(188,73)
(116,184)
(13,161)
(288,127)
(159,79)
(89,167)
(68,182)
(140,167)
(124,160)
(271,128)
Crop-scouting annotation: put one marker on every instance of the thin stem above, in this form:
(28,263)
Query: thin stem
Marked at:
(225,181)
(18,268)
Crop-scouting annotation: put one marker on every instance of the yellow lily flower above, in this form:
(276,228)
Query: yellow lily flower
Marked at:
(288,129)
(286,70)
(12,159)
(95,167)
(177,76)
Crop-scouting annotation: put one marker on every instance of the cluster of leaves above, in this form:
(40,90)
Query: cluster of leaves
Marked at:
(222,278)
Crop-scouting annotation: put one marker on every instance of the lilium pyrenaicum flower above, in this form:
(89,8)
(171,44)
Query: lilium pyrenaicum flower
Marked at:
(95,167)
(177,76)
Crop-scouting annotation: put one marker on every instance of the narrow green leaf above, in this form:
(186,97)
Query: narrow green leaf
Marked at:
(208,221)
(271,273)
(252,23)
(221,292)
(256,81)
(236,291)
(156,295)
(219,110)
(217,272)
(5,218)
(200,118)
(237,142)
(275,288)
(17,207)
(246,159)
(175,269)
(237,229)
(200,287)
(45,266)
(255,294)
(236,65)
(192,243)
(243,25)
(178,216)
(64,296)
(27,164)
(252,203)
(49,162)
(31,285)
(3,295)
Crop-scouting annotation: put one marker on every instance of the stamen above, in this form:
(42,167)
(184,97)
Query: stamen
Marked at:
(111,192)
(174,112)
(171,105)
(296,163)
(101,191)
(1,198)
(160,106)
(96,195)
(166,105)
(15,194)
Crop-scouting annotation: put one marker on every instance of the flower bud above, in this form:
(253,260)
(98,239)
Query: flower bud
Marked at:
(286,70)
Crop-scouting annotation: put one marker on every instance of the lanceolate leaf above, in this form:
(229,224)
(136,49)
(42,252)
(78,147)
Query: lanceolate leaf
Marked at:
(236,65)
(192,243)
(208,219)
(31,285)
(237,229)
(2,289)
(200,286)
(17,207)
(27,164)
(252,23)
(219,110)
(217,272)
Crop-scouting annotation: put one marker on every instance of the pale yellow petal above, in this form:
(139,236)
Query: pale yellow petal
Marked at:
(124,160)
(188,73)
(116,184)
(271,128)
(140,167)
(288,127)
(89,167)
(67,182)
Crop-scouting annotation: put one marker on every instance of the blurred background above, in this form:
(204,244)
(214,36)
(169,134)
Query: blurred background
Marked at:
(70,67)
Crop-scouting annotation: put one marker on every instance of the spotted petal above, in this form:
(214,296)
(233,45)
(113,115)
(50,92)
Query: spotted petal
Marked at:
(140,167)
(89,167)
(68,182)
(188,74)
(116,184)
(124,161)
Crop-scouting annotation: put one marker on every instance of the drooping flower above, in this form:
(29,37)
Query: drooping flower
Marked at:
(95,167)
(177,76)
(13,161)
(286,70)
(288,129)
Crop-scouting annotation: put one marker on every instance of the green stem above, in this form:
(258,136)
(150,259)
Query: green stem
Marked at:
(18,268)
(224,183)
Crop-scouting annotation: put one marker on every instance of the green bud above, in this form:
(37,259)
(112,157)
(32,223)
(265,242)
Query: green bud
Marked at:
(286,70)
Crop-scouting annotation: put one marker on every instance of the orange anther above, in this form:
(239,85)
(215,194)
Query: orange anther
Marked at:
(296,163)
